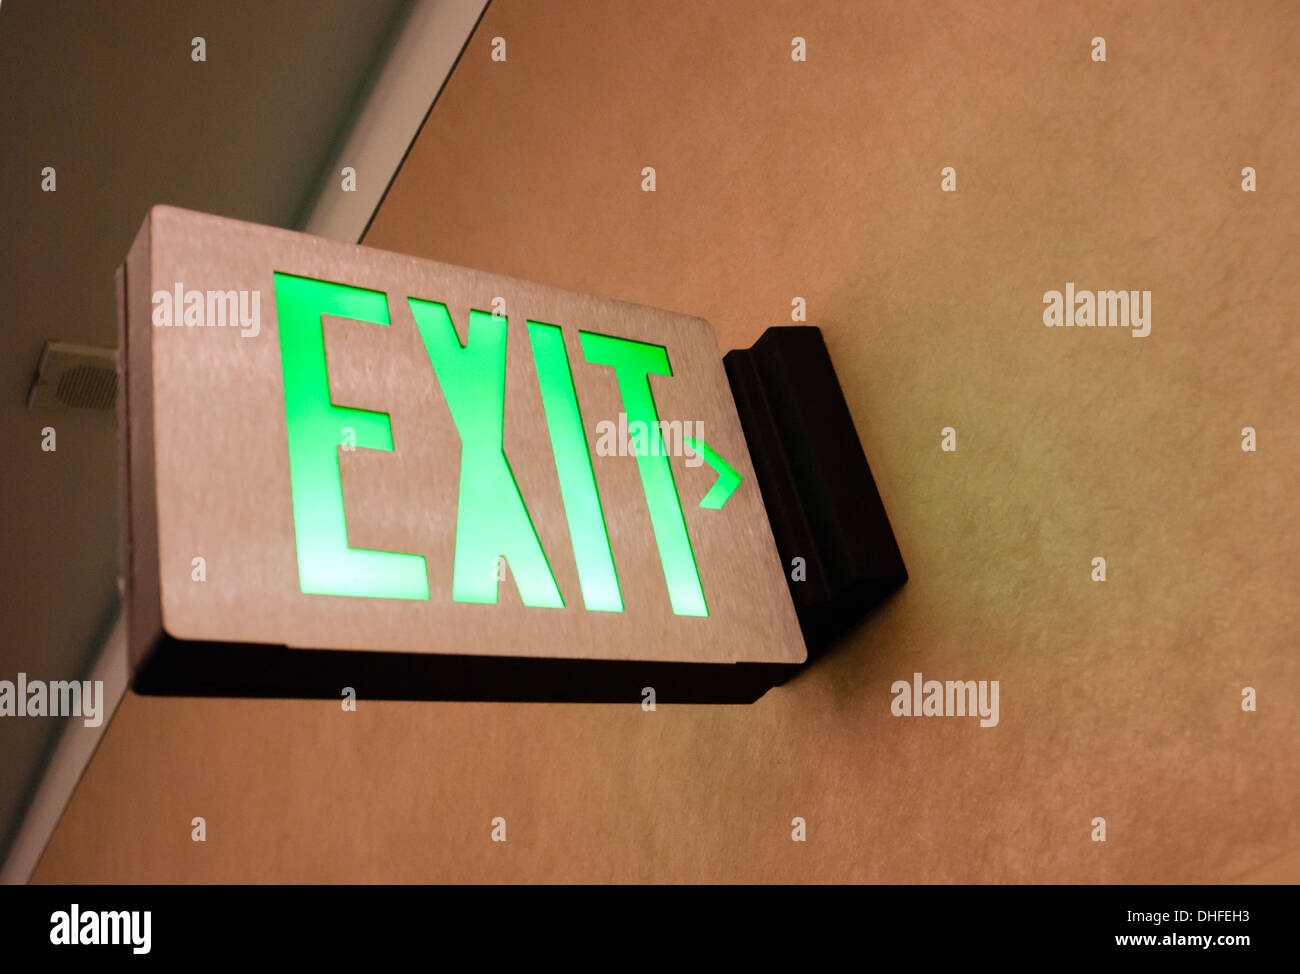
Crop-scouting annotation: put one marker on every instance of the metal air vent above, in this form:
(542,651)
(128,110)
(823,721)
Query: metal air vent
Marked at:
(78,376)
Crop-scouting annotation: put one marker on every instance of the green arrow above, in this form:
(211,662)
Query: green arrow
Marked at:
(728,479)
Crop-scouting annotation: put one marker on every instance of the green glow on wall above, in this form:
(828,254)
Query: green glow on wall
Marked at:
(491,521)
(591,549)
(326,563)
(633,363)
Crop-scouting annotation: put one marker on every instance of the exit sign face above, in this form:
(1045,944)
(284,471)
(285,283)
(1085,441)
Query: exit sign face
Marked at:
(334,447)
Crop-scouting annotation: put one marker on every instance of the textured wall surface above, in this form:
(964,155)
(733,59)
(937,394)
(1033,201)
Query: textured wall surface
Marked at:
(821,179)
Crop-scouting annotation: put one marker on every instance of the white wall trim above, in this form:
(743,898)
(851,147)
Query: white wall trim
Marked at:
(76,746)
(408,83)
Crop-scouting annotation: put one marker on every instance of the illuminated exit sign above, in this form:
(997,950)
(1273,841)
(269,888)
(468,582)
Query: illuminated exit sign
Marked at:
(335,449)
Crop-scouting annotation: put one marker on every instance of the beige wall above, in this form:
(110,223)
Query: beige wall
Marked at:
(821,180)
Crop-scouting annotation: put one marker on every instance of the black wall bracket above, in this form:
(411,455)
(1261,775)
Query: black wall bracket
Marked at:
(821,499)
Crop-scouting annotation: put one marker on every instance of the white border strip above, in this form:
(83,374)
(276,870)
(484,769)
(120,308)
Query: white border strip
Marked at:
(77,744)
(421,60)
(408,84)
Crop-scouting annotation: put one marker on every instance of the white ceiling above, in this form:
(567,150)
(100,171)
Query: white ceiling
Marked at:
(107,93)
